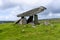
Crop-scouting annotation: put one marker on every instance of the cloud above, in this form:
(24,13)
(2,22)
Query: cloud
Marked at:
(10,14)
(54,6)
(4,4)
(8,18)
(49,16)
(1,3)
(10,8)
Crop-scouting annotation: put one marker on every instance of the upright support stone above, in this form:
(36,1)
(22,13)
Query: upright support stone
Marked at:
(35,19)
(30,19)
(23,21)
(17,21)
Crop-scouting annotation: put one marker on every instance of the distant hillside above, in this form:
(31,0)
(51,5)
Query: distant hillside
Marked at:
(54,20)
(6,22)
(50,20)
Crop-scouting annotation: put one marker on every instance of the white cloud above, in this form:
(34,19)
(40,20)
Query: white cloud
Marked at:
(10,14)
(1,2)
(54,6)
(14,7)
(28,3)
(50,14)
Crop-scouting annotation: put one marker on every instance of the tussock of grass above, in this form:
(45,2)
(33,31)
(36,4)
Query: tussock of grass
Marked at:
(27,32)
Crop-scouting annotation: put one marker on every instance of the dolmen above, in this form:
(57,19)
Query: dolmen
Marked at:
(32,15)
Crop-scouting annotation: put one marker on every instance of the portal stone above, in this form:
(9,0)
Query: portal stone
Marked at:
(35,19)
(30,19)
(23,21)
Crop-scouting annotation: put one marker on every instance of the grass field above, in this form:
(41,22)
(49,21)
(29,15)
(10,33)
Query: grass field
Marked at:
(43,31)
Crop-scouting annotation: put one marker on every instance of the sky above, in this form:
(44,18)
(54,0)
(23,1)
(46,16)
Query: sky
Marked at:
(9,9)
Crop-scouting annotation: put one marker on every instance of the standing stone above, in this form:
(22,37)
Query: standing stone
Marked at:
(23,21)
(17,21)
(30,19)
(35,19)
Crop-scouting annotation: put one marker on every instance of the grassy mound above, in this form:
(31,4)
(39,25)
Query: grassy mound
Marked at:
(28,32)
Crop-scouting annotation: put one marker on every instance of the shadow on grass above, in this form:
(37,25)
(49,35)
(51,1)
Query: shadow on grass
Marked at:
(1,31)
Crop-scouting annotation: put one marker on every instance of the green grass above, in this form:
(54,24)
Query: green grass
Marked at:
(11,31)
